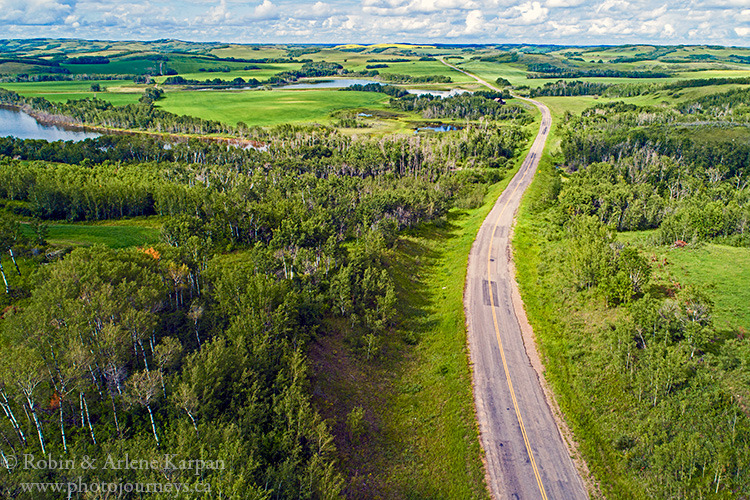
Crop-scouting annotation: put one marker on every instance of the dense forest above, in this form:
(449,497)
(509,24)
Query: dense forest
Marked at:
(644,369)
(196,347)
(546,70)
(467,106)
(658,173)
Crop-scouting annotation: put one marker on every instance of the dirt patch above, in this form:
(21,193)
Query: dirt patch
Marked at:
(341,381)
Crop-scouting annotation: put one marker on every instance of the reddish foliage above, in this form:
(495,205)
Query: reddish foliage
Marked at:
(54,403)
(152,252)
(7,310)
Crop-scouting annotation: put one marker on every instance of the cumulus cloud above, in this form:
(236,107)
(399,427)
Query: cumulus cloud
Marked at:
(35,12)
(319,10)
(492,21)
(474,21)
(218,13)
(530,13)
(266,10)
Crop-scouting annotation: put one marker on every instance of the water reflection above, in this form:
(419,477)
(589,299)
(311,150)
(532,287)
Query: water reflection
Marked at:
(19,124)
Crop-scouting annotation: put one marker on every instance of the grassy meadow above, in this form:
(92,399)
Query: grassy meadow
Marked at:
(114,234)
(118,92)
(265,108)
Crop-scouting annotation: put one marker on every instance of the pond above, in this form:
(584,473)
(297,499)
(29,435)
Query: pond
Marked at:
(439,93)
(327,84)
(437,128)
(19,124)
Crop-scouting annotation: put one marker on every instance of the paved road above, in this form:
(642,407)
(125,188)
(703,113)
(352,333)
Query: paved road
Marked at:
(525,453)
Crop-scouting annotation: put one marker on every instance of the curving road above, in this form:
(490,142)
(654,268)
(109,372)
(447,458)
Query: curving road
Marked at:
(526,457)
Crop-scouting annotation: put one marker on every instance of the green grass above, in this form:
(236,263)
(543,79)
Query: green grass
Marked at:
(120,234)
(516,74)
(425,68)
(250,52)
(265,108)
(264,72)
(118,92)
(721,271)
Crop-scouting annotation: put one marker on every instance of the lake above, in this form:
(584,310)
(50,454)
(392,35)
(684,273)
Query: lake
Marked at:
(20,125)
(327,84)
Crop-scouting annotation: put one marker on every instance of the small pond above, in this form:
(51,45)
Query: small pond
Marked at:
(19,124)
(437,128)
(440,93)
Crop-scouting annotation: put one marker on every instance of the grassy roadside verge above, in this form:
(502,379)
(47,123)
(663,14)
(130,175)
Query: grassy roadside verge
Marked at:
(555,348)
(421,439)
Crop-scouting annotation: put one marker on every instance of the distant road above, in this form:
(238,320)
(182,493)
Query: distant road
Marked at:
(525,453)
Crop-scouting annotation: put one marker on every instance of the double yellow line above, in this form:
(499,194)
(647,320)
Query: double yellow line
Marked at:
(500,341)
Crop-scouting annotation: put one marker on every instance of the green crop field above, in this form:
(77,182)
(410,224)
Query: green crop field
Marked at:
(264,108)
(250,52)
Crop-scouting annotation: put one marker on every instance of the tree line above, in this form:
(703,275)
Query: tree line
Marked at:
(463,106)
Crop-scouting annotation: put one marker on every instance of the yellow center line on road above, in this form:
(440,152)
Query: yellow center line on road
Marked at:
(530,160)
(543,127)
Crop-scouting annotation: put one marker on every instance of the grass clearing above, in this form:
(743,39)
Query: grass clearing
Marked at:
(119,92)
(264,108)
(723,272)
(117,234)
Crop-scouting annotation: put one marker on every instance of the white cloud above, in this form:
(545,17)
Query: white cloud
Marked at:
(530,13)
(218,13)
(613,5)
(492,21)
(610,27)
(656,12)
(266,10)
(35,12)
(474,22)
(565,30)
(564,3)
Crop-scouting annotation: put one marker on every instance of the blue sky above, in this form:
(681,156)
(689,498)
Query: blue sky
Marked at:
(724,22)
